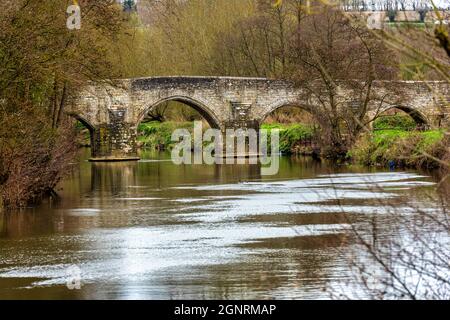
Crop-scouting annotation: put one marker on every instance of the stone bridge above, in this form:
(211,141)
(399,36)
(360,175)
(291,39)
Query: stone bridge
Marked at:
(113,110)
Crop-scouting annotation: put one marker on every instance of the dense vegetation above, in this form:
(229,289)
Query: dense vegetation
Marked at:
(294,138)
(158,135)
(42,63)
(401,122)
(428,149)
(383,147)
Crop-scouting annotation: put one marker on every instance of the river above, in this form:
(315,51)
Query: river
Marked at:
(155,230)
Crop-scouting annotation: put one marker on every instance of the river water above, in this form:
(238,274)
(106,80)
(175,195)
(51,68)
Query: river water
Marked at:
(155,230)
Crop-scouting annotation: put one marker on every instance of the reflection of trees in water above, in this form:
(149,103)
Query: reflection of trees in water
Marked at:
(27,222)
(164,174)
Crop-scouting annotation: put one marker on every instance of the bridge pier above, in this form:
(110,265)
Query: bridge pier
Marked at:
(113,142)
(241,129)
(112,112)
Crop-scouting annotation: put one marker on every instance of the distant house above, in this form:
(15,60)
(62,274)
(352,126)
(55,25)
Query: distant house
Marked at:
(428,16)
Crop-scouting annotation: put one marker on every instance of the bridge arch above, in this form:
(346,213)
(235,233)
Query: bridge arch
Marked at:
(200,107)
(284,103)
(83,120)
(418,117)
(88,125)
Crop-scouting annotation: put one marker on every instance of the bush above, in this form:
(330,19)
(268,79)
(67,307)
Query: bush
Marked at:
(292,137)
(409,149)
(33,158)
(403,122)
(158,135)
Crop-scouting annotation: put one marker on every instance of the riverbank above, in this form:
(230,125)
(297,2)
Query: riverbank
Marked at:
(156,135)
(294,139)
(401,147)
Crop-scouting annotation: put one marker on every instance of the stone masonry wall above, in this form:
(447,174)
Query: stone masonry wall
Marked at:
(115,111)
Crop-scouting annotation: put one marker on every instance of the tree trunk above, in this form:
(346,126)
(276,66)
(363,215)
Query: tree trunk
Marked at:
(61,105)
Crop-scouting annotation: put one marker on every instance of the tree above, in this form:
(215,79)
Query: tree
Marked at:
(41,64)
(392,13)
(332,53)
(422,14)
(129,6)
(258,45)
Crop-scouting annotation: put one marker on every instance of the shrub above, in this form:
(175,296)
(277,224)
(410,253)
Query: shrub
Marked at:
(403,122)
(410,149)
(158,135)
(292,136)
(33,158)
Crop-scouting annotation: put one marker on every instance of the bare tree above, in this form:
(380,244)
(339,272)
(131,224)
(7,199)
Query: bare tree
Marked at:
(331,53)
(411,260)
(41,64)
(403,253)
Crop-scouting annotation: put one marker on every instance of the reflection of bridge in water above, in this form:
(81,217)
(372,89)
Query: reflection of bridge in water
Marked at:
(116,179)
(113,112)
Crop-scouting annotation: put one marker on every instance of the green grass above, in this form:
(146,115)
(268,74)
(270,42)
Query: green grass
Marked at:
(405,148)
(402,122)
(158,135)
(428,137)
(274,126)
(291,136)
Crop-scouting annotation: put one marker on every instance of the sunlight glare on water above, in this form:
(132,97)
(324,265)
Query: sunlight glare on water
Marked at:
(153,230)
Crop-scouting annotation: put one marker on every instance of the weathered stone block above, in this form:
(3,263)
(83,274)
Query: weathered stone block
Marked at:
(113,112)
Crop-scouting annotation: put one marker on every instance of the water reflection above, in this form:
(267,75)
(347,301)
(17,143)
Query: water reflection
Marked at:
(155,230)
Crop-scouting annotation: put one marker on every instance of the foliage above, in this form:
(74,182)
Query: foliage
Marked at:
(292,137)
(178,37)
(41,64)
(158,135)
(402,122)
(405,148)
(333,52)
(34,157)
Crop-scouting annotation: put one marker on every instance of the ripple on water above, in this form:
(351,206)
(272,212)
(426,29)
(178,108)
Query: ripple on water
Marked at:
(219,235)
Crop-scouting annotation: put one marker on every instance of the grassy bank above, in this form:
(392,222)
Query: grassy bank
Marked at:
(158,135)
(294,139)
(404,148)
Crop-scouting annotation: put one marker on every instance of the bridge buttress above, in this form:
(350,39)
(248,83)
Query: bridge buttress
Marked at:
(115,141)
(240,124)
